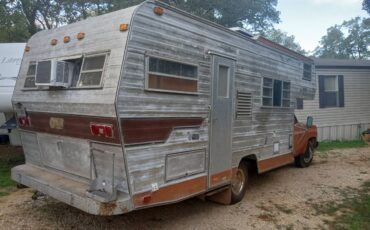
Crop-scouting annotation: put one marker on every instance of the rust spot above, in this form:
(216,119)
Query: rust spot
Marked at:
(106,209)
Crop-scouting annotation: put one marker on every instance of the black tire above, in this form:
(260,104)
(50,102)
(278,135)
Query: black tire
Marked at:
(303,161)
(239,183)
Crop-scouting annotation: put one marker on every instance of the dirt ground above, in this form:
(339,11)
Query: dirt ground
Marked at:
(286,198)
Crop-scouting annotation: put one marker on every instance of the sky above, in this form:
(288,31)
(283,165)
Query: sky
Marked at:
(308,20)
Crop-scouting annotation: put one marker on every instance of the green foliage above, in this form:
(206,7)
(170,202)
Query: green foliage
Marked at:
(366,5)
(5,165)
(20,19)
(284,39)
(330,145)
(350,40)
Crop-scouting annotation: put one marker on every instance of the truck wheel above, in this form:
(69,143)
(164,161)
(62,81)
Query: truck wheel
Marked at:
(305,160)
(239,183)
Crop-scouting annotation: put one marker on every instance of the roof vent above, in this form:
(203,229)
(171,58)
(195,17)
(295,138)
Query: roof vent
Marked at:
(241,30)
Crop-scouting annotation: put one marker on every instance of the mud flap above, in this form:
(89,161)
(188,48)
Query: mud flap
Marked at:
(220,196)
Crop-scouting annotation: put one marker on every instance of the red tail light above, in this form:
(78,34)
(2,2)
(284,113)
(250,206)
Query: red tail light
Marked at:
(24,121)
(102,130)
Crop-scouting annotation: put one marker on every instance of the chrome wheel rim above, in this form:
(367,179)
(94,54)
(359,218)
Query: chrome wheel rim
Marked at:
(237,184)
(309,154)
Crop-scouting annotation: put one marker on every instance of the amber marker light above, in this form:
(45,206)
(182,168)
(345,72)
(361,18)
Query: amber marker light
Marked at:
(123,27)
(54,42)
(80,36)
(158,10)
(66,39)
(27,49)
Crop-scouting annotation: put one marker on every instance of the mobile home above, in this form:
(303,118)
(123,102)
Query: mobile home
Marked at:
(341,105)
(150,105)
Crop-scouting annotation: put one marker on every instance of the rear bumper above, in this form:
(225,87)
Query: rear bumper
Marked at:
(69,191)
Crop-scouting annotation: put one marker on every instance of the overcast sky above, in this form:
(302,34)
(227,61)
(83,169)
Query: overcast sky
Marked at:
(308,20)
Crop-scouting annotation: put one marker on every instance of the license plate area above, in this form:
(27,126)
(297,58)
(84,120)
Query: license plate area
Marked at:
(65,154)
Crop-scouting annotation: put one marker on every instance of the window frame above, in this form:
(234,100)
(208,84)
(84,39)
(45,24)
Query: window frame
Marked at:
(305,71)
(71,57)
(100,85)
(148,72)
(272,93)
(337,91)
(30,76)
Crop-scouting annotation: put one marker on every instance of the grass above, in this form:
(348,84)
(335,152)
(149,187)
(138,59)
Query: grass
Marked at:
(353,213)
(8,161)
(330,145)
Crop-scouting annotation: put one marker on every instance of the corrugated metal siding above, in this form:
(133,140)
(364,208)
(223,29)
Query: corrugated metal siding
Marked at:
(342,123)
(179,37)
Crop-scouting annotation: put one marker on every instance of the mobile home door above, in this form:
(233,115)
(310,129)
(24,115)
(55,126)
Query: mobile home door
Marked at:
(221,121)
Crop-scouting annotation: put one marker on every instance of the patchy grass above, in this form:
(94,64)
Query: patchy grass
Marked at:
(330,145)
(7,161)
(352,213)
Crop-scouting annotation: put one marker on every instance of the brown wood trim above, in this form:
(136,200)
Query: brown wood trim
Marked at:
(77,126)
(275,162)
(171,193)
(221,178)
(172,83)
(138,131)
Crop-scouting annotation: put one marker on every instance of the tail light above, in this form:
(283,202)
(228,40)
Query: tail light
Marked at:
(102,130)
(24,121)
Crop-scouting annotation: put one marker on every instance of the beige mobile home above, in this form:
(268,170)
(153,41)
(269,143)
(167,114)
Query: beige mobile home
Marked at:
(341,107)
(150,105)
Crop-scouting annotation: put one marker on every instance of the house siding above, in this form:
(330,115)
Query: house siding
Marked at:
(342,123)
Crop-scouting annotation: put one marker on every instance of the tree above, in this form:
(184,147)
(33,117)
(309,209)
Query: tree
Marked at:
(13,26)
(366,5)
(284,39)
(351,39)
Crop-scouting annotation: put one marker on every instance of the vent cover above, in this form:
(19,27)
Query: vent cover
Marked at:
(243,105)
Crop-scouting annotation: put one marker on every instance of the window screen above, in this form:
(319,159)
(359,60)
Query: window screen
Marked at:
(223,81)
(299,103)
(30,77)
(170,76)
(92,70)
(275,93)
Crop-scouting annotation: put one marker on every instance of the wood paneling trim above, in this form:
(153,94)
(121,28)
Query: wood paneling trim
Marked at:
(171,193)
(172,84)
(138,131)
(275,162)
(221,178)
(73,126)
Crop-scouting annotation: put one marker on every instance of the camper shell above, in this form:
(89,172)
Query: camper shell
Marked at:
(159,106)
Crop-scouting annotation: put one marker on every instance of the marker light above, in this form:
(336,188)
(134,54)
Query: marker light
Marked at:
(66,39)
(123,27)
(27,49)
(158,10)
(80,36)
(53,42)
(102,130)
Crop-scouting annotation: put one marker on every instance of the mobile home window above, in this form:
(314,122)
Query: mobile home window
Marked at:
(331,92)
(31,75)
(307,71)
(92,70)
(171,76)
(276,93)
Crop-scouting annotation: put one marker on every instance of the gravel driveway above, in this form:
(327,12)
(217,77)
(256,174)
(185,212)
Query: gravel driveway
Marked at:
(286,198)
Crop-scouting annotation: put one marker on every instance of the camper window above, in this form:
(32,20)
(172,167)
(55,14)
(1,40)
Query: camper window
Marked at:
(307,71)
(169,76)
(30,78)
(276,93)
(92,70)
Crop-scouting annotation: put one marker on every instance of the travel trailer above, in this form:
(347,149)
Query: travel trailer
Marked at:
(150,105)
(10,62)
